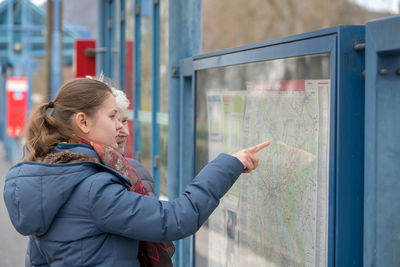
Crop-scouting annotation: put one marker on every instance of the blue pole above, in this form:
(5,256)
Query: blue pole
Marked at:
(2,102)
(138,79)
(104,59)
(6,140)
(155,127)
(122,52)
(108,61)
(184,41)
(28,51)
(12,145)
(10,27)
(56,50)
(100,57)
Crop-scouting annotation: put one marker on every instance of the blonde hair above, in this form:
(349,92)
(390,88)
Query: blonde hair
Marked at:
(51,123)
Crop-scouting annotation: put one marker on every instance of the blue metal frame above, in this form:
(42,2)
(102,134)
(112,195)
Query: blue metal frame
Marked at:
(345,222)
(56,49)
(382,148)
(38,14)
(3,106)
(138,79)
(122,48)
(100,58)
(350,148)
(186,146)
(155,126)
(27,17)
(19,28)
(105,59)
(109,40)
(184,42)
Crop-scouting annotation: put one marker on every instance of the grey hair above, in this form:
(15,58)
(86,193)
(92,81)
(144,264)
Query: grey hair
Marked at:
(120,98)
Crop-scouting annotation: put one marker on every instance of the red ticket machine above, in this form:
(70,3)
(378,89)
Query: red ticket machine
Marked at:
(17,93)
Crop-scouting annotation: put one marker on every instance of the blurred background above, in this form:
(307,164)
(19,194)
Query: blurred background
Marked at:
(29,29)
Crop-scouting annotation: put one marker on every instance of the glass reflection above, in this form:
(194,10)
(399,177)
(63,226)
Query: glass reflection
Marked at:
(277,215)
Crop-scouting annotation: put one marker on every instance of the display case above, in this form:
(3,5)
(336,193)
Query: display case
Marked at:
(303,205)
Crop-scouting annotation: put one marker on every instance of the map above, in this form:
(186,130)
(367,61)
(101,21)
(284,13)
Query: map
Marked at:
(278,214)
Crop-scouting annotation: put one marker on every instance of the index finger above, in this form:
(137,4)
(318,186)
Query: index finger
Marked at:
(256,148)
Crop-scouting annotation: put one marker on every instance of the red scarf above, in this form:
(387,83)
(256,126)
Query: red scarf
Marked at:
(150,253)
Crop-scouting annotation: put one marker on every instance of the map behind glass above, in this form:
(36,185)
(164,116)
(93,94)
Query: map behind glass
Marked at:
(277,215)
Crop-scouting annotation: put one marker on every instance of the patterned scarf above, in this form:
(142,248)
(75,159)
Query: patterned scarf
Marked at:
(150,253)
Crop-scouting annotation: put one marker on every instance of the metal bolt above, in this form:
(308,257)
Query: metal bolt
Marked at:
(398,71)
(359,47)
(383,72)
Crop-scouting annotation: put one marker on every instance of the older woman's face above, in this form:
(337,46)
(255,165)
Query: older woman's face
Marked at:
(123,132)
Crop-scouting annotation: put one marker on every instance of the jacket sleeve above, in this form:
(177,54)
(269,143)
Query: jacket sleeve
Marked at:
(34,258)
(119,211)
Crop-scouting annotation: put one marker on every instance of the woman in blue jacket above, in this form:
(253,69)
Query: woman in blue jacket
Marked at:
(77,208)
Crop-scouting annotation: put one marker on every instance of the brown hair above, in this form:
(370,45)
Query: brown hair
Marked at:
(51,123)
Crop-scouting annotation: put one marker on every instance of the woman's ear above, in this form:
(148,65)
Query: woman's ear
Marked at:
(82,122)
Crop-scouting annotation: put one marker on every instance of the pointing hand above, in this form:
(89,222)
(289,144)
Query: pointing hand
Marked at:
(247,157)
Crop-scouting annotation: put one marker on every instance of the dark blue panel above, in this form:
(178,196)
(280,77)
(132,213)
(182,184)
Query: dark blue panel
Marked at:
(382,147)
(271,51)
(350,149)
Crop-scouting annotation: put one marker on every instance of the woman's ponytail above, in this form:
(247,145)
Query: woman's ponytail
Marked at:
(43,131)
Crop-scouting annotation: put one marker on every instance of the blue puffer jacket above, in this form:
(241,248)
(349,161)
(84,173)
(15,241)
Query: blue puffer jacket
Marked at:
(81,214)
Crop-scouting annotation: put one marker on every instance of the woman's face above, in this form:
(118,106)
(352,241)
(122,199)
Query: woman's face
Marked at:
(124,132)
(104,125)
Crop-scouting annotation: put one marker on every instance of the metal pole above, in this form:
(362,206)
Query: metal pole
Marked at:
(3,107)
(56,49)
(155,127)
(184,41)
(122,46)
(108,62)
(138,80)
(101,37)
(28,54)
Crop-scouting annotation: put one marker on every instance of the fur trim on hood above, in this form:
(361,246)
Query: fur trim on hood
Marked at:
(67,157)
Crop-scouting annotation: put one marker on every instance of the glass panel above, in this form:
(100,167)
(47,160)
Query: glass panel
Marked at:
(145,119)
(163,116)
(278,214)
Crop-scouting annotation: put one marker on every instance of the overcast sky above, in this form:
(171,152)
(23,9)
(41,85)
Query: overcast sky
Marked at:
(386,5)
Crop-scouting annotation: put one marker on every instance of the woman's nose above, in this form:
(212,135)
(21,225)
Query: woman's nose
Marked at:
(118,125)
